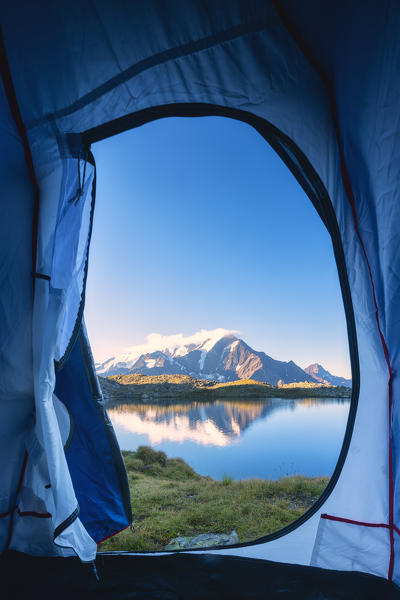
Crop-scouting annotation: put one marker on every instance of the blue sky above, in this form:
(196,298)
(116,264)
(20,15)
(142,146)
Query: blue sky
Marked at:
(199,225)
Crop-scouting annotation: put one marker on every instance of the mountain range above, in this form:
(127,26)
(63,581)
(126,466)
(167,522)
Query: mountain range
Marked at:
(218,357)
(319,374)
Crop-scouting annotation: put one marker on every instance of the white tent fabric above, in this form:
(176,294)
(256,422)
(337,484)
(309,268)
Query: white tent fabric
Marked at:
(331,86)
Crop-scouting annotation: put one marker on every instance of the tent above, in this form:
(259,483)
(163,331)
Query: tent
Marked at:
(320,82)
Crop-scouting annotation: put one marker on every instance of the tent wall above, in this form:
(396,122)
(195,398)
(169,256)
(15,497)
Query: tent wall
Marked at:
(365,91)
(334,92)
(16,388)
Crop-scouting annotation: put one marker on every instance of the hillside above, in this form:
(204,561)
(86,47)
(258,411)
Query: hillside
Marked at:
(171,501)
(133,387)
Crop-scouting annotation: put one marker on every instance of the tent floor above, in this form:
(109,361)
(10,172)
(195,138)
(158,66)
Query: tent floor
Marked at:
(181,576)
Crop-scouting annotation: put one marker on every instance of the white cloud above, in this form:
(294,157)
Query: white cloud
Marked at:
(158,341)
(175,342)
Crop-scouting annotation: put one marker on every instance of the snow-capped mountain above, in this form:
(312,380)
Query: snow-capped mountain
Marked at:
(216,354)
(319,374)
(160,351)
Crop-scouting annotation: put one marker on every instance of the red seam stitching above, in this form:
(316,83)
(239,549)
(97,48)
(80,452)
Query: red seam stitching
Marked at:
(11,525)
(362,523)
(350,195)
(6,514)
(17,117)
(26,513)
(112,535)
(352,522)
(32,513)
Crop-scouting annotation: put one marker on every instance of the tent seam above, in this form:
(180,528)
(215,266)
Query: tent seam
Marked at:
(112,534)
(11,525)
(361,523)
(150,62)
(16,114)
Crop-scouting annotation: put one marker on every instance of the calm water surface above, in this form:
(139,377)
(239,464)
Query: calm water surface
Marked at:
(241,438)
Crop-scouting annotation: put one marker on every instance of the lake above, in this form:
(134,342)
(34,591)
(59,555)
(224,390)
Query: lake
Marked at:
(239,438)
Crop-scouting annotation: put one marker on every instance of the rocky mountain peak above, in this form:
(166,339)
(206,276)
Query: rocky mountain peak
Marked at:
(216,355)
(321,375)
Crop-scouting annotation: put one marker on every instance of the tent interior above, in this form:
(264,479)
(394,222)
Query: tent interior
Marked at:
(320,83)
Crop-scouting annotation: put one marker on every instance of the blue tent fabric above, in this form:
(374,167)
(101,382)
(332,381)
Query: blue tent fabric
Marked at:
(325,78)
(93,454)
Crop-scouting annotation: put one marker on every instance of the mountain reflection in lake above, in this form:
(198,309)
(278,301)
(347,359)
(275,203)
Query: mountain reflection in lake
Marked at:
(241,438)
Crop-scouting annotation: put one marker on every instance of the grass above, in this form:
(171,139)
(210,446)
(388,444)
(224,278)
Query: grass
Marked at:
(170,499)
(136,386)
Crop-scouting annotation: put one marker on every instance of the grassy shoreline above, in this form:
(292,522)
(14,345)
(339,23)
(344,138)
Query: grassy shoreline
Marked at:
(169,499)
(125,388)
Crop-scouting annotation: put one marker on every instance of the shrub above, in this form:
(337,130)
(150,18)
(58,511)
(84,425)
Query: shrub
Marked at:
(155,470)
(227,480)
(179,470)
(150,456)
